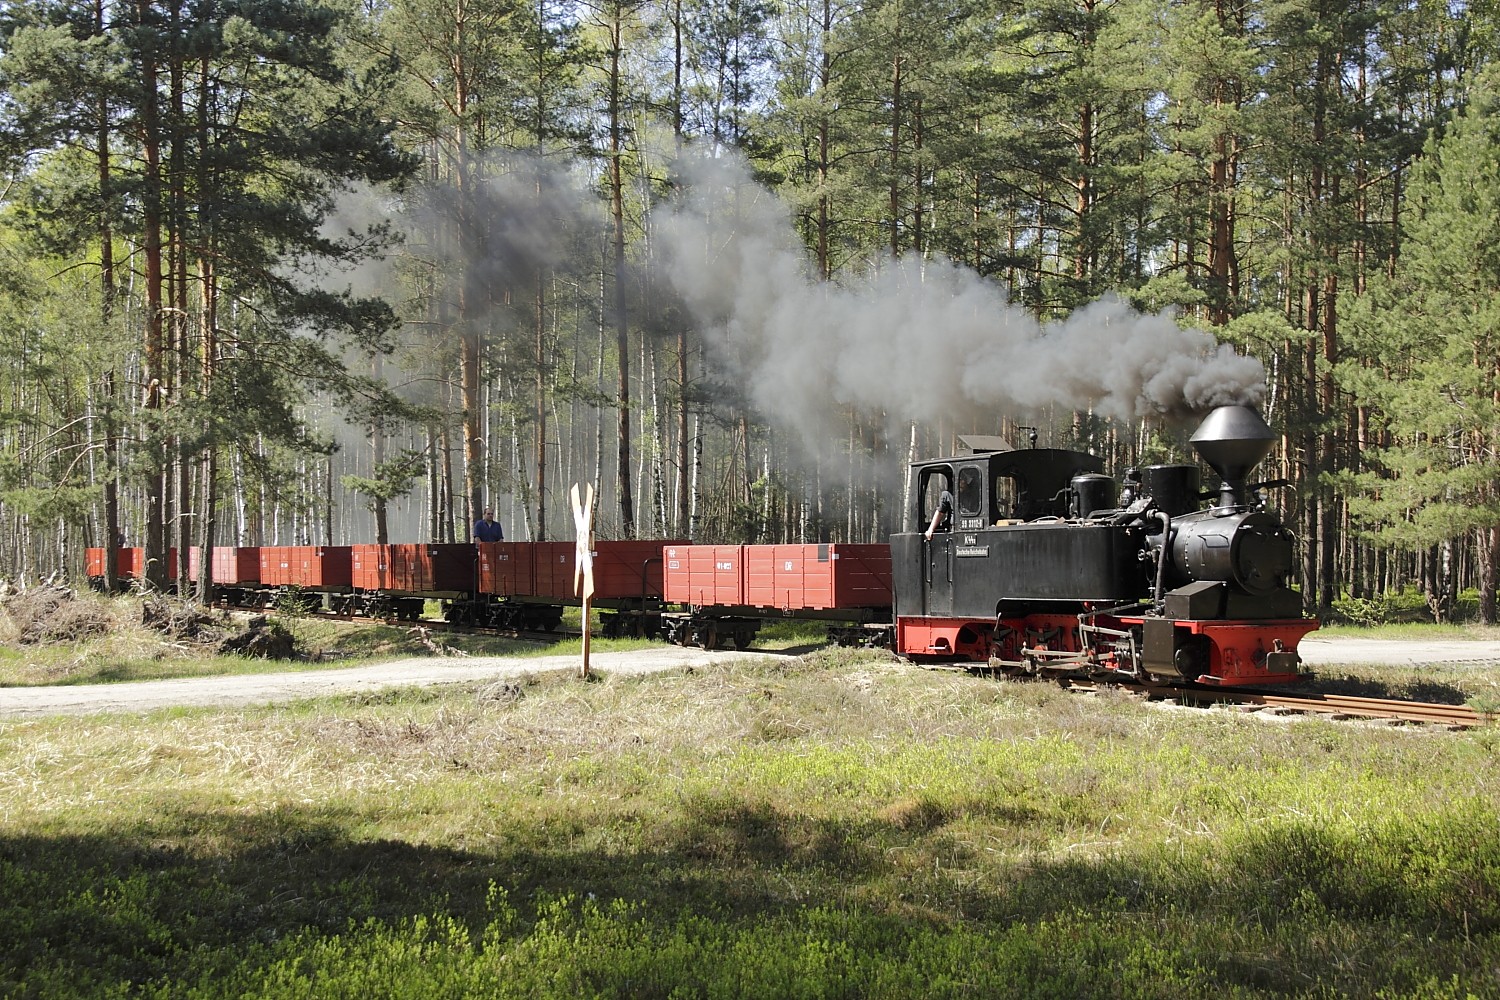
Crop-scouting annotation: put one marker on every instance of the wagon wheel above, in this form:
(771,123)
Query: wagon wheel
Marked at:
(707,635)
(743,637)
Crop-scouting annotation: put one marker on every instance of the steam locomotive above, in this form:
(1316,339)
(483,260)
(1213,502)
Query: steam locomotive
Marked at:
(1049,567)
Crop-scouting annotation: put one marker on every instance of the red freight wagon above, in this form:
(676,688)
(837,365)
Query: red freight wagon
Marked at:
(129,563)
(369,567)
(704,574)
(554,570)
(730,588)
(507,569)
(413,568)
(818,577)
(626,570)
(275,567)
(397,580)
(232,565)
(440,569)
(402,563)
(314,567)
(323,567)
(235,564)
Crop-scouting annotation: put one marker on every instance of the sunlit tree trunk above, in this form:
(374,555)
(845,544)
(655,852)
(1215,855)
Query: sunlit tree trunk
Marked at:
(616,111)
(153,369)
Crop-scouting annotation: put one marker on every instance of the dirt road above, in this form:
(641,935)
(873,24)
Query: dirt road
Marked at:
(262,689)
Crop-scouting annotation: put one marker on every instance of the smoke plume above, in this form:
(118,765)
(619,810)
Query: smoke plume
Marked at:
(918,340)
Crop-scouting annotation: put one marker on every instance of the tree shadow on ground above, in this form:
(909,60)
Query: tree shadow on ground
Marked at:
(1433,692)
(148,905)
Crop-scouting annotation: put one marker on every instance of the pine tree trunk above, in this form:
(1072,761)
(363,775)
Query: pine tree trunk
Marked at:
(1488,551)
(153,369)
(540,321)
(110,401)
(617,215)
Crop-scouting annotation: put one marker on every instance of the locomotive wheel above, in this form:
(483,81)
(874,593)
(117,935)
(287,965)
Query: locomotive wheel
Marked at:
(1192,657)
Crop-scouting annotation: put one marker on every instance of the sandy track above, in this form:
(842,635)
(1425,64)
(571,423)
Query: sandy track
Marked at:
(266,689)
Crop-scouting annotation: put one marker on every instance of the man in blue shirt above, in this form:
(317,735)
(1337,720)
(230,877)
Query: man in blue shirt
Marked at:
(488,529)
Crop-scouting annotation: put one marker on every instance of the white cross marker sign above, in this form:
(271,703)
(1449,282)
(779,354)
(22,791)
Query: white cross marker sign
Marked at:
(583,562)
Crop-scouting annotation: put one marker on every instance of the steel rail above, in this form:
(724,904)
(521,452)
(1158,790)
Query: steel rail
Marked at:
(1333,705)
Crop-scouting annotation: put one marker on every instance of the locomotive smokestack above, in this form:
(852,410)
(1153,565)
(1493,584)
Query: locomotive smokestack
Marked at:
(1233,440)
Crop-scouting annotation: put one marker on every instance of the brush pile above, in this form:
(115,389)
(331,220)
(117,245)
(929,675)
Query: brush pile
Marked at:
(53,613)
(182,620)
(186,622)
(263,639)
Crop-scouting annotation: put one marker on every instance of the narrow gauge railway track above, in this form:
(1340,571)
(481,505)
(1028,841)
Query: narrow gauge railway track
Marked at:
(1331,706)
(1340,706)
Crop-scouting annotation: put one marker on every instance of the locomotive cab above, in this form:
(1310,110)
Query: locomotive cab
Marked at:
(1005,487)
(1001,551)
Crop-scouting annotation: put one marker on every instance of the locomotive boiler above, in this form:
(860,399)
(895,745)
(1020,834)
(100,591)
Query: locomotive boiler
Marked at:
(1052,567)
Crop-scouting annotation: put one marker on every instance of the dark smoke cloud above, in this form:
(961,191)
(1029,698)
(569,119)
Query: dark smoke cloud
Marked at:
(918,340)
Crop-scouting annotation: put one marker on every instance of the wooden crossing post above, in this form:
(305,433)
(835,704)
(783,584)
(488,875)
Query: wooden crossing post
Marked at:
(583,562)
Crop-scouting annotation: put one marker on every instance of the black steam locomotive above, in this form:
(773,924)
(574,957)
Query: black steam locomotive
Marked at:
(1050,567)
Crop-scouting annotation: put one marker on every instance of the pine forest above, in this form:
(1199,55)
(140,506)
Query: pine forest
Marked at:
(338,271)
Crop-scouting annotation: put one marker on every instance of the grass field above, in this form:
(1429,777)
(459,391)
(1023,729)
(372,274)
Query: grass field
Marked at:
(835,825)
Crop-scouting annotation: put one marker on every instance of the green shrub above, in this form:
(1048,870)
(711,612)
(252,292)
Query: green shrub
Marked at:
(1363,611)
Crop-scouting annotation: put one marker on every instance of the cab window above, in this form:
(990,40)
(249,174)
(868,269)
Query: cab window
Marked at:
(970,491)
(1007,496)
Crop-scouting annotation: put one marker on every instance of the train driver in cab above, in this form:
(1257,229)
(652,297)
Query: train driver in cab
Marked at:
(942,518)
